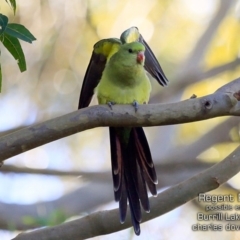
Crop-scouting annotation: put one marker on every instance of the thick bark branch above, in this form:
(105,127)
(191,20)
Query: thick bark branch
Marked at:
(106,222)
(222,103)
(97,191)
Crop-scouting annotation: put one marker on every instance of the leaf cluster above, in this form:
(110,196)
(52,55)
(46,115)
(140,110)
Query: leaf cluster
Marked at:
(10,33)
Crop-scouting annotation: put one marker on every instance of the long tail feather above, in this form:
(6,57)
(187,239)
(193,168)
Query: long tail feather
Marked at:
(132,169)
(116,158)
(145,159)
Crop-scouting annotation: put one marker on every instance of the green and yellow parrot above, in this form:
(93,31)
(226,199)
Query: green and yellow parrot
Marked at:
(117,74)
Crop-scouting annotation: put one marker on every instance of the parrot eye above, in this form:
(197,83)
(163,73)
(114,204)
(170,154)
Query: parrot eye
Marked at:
(130,50)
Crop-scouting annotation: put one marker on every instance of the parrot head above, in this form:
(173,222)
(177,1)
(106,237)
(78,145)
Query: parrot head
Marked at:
(127,63)
(131,53)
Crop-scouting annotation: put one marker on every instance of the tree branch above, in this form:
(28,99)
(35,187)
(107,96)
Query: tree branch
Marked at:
(48,172)
(222,103)
(194,60)
(217,135)
(106,222)
(96,191)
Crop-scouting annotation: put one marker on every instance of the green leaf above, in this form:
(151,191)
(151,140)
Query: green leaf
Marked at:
(13,4)
(19,31)
(13,46)
(3,23)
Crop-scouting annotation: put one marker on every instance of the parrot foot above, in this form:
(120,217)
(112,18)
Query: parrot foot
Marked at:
(110,104)
(135,105)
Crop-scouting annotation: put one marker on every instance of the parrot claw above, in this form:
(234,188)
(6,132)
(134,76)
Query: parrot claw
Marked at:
(110,104)
(135,105)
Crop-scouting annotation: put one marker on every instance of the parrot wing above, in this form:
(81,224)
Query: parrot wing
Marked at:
(102,52)
(151,63)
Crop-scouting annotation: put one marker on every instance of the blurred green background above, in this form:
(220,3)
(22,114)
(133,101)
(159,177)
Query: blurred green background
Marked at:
(197,44)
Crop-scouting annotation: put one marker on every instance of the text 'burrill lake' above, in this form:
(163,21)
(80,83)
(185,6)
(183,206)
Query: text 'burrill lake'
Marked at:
(223,208)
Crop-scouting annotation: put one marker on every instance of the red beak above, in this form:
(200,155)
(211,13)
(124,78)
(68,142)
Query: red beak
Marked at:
(140,57)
